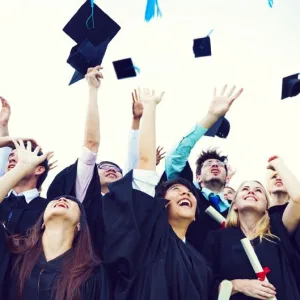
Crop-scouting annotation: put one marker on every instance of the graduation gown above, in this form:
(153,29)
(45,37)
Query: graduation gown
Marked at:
(19,216)
(64,184)
(42,280)
(228,259)
(203,224)
(4,259)
(152,262)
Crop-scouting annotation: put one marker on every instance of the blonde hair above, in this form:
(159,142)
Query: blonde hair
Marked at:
(262,228)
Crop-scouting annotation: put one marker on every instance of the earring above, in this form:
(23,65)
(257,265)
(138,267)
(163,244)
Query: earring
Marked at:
(194,219)
(78,227)
(43,226)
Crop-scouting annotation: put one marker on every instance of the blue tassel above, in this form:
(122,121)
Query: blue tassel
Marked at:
(137,69)
(91,16)
(210,32)
(270,3)
(152,10)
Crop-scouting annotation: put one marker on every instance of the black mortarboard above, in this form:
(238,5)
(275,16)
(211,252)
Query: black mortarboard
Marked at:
(92,30)
(201,47)
(221,128)
(104,27)
(290,86)
(124,68)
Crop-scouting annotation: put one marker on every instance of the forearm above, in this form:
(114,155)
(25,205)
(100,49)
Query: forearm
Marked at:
(135,123)
(147,139)
(236,286)
(92,126)
(133,148)
(207,121)
(290,182)
(10,179)
(4,130)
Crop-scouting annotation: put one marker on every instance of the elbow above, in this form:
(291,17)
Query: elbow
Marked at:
(92,145)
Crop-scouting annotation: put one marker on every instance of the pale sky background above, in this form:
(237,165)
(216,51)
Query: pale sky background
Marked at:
(253,46)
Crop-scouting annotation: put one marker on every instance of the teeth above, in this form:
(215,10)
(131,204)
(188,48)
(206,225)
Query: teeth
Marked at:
(183,202)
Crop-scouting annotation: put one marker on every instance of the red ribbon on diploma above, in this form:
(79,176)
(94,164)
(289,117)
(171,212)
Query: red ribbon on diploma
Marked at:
(272,158)
(262,275)
(223,224)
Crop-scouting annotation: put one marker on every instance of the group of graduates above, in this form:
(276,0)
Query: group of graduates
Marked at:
(104,233)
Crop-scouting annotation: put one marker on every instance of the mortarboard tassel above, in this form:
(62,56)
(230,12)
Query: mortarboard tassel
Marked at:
(137,69)
(91,16)
(152,10)
(270,3)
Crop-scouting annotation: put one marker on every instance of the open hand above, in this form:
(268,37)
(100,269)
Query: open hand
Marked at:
(27,158)
(160,154)
(148,96)
(221,104)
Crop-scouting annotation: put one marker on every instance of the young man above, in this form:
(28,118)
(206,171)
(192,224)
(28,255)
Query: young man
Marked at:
(211,172)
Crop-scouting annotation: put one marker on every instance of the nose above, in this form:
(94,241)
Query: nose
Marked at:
(111,169)
(251,192)
(185,193)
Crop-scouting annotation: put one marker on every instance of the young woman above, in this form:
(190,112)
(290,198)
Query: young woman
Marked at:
(145,234)
(55,260)
(271,239)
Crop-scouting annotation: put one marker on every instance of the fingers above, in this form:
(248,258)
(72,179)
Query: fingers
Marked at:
(231,92)
(4,102)
(223,90)
(268,285)
(237,94)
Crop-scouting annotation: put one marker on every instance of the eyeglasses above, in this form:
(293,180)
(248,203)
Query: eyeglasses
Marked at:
(213,162)
(109,167)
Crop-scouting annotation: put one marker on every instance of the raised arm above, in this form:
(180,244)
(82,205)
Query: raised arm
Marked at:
(27,161)
(147,140)
(178,156)
(291,215)
(91,142)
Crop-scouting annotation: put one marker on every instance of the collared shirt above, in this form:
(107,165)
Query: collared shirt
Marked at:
(176,159)
(29,195)
(223,204)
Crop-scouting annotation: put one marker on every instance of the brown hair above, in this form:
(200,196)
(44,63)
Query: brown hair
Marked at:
(77,267)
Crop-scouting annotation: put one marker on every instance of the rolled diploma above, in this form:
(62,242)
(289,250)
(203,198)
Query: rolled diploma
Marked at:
(253,259)
(225,290)
(215,215)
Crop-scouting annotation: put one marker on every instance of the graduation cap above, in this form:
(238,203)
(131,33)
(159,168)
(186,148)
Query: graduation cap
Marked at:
(124,68)
(221,128)
(290,86)
(202,47)
(92,30)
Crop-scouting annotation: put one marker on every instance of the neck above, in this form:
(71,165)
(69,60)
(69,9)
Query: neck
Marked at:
(57,239)
(248,221)
(279,198)
(25,185)
(180,228)
(104,189)
(215,187)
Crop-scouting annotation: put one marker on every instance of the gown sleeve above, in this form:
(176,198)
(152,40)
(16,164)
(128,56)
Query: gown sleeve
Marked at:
(4,258)
(135,226)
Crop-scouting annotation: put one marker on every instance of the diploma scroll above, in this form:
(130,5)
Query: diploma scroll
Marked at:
(216,215)
(225,290)
(258,269)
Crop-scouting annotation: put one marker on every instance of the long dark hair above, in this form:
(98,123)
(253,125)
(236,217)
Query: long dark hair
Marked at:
(77,267)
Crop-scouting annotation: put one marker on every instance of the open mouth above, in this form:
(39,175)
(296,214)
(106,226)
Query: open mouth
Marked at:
(215,172)
(61,204)
(251,198)
(278,183)
(10,167)
(185,202)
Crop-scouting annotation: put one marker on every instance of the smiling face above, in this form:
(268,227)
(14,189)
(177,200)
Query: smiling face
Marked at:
(64,209)
(109,173)
(251,196)
(183,203)
(274,183)
(229,194)
(212,171)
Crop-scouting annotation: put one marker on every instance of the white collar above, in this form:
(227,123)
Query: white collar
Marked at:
(29,195)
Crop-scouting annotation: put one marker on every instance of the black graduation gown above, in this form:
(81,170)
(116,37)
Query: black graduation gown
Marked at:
(4,259)
(42,280)
(152,262)
(24,215)
(228,260)
(64,184)
(203,224)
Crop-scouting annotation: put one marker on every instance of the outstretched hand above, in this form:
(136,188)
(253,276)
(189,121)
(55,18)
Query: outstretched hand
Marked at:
(148,96)
(160,154)
(28,158)
(221,104)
